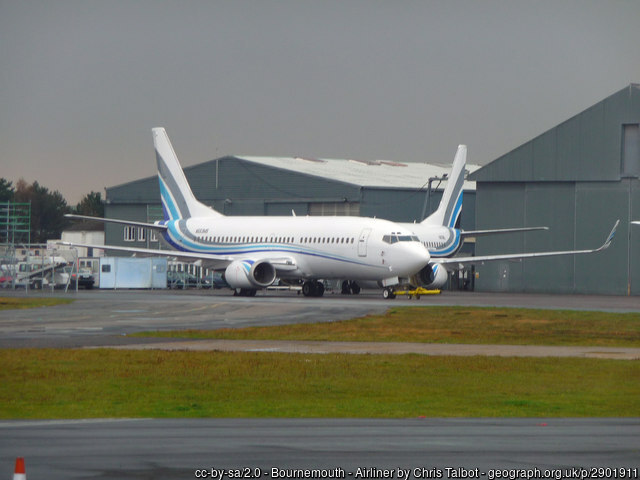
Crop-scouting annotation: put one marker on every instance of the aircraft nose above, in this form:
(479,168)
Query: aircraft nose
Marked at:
(417,257)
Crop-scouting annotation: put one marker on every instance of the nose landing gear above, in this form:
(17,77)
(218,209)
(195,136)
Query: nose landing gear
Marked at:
(388,293)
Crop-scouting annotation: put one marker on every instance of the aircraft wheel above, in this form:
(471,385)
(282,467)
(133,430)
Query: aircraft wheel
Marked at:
(312,288)
(355,288)
(244,292)
(388,294)
(346,287)
(307,288)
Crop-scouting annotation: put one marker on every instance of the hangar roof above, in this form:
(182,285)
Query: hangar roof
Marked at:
(586,147)
(376,173)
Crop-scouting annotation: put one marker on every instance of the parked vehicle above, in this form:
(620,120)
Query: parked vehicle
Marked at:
(216,279)
(186,280)
(6,280)
(84,278)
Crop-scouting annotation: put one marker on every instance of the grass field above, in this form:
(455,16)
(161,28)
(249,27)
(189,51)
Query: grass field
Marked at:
(510,326)
(76,383)
(108,383)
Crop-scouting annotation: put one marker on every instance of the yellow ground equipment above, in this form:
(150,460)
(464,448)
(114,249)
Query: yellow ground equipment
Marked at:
(416,293)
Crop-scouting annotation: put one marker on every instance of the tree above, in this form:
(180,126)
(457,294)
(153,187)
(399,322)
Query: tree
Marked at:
(91,205)
(47,210)
(6,190)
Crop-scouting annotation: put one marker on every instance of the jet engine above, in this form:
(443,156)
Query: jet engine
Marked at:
(250,274)
(432,276)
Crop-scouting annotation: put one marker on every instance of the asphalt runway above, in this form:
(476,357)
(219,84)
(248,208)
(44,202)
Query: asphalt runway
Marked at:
(448,448)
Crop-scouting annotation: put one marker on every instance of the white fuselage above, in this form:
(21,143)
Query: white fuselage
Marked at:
(317,247)
(441,241)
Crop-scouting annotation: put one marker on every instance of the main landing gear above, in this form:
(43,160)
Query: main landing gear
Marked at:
(312,288)
(350,287)
(244,292)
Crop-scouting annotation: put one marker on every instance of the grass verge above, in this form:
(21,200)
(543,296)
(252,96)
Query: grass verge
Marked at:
(9,303)
(48,383)
(512,326)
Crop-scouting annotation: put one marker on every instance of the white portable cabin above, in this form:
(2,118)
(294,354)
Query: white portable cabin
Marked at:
(127,272)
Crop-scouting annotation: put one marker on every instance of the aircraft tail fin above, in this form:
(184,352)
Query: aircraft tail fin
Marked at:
(178,200)
(451,203)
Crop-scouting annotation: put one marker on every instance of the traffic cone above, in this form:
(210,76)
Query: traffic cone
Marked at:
(19,473)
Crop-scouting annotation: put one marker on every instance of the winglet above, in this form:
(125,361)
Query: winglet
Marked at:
(610,237)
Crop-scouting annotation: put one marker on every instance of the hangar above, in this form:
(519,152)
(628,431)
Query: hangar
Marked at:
(245,185)
(577,178)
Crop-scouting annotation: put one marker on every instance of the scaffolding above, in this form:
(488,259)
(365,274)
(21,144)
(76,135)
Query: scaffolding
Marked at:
(15,223)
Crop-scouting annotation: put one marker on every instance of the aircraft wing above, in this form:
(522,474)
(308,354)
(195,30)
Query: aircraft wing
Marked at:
(281,264)
(206,259)
(113,220)
(517,256)
(478,233)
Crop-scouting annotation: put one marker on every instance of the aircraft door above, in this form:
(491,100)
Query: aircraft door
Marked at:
(362,242)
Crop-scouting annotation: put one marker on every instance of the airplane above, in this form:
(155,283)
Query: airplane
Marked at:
(439,234)
(254,251)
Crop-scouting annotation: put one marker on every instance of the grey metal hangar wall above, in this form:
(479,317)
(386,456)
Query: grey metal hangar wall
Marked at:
(281,185)
(577,178)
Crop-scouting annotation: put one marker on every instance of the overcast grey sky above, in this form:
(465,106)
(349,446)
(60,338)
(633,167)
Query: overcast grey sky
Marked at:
(83,82)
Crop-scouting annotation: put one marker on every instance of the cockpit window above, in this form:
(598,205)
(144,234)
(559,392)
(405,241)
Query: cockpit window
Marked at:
(400,238)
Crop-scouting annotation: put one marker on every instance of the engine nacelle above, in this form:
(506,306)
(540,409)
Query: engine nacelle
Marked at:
(250,274)
(433,276)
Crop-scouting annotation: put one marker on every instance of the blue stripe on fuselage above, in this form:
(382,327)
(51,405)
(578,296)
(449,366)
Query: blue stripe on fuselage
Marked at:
(172,235)
(451,249)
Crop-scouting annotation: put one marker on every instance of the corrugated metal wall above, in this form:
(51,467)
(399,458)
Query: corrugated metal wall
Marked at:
(580,216)
(568,178)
